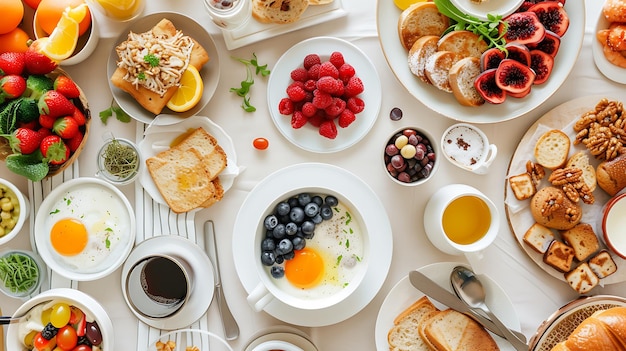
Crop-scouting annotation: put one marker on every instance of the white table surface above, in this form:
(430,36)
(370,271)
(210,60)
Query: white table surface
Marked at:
(534,293)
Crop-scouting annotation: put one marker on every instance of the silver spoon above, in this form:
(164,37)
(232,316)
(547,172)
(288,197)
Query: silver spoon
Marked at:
(467,286)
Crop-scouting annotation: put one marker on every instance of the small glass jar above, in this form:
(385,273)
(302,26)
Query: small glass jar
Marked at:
(229,14)
(118,160)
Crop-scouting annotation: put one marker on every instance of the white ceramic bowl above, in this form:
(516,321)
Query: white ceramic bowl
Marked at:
(433,147)
(613,224)
(92,309)
(106,214)
(35,265)
(24,209)
(480,9)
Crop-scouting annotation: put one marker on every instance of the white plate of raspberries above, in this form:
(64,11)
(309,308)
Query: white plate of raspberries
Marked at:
(324,94)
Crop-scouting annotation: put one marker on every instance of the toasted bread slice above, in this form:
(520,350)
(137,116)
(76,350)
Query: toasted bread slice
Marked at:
(214,156)
(419,19)
(462,76)
(450,330)
(421,50)
(582,279)
(552,149)
(404,334)
(602,264)
(580,160)
(438,69)
(560,256)
(539,237)
(278,11)
(582,239)
(522,185)
(148,99)
(462,42)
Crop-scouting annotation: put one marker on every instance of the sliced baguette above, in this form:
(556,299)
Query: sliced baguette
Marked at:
(438,69)
(404,335)
(419,19)
(421,50)
(580,160)
(450,330)
(462,42)
(462,76)
(552,149)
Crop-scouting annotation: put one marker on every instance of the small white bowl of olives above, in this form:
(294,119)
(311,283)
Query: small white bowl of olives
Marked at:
(14,210)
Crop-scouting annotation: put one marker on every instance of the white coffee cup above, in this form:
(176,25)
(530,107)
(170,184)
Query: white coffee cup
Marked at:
(467,147)
(276,345)
(460,219)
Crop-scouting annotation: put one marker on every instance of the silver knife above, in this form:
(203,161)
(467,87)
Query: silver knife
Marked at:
(437,292)
(231,329)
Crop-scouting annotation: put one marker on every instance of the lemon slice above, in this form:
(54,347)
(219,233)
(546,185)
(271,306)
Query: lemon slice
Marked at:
(188,93)
(62,41)
(404,4)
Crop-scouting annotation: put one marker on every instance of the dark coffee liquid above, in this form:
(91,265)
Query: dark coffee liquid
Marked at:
(163,280)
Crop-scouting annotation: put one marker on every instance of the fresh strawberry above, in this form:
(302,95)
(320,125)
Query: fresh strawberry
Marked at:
(328,129)
(74,143)
(24,141)
(12,86)
(65,127)
(54,150)
(36,62)
(55,104)
(30,125)
(11,63)
(44,132)
(79,117)
(66,86)
(46,121)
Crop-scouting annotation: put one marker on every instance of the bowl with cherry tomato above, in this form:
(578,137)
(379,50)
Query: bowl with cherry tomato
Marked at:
(61,320)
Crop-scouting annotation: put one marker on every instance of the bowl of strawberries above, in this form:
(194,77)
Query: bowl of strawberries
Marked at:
(44,115)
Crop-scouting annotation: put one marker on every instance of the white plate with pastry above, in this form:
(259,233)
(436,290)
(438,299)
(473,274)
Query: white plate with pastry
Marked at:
(610,70)
(165,129)
(308,137)
(319,11)
(403,295)
(518,212)
(445,103)
(210,71)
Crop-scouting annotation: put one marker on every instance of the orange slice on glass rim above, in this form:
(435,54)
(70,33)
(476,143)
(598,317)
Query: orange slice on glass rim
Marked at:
(188,93)
(62,41)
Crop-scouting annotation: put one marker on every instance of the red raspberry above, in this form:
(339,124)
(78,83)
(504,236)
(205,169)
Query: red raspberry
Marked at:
(310,85)
(346,118)
(314,71)
(336,107)
(298,120)
(346,71)
(285,106)
(340,89)
(328,129)
(336,58)
(299,74)
(318,118)
(296,92)
(309,110)
(310,60)
(354,87)
(327,85)
(328,69)
(321,100)
(355,104)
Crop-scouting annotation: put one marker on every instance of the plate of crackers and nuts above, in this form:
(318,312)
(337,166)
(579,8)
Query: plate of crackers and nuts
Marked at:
(559,180)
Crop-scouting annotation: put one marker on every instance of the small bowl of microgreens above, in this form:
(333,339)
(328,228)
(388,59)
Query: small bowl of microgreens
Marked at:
(118,161)
(21,273)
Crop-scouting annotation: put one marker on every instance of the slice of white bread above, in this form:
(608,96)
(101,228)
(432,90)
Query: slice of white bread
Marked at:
(552,149)
(462,42)
(522,185)
(438,69)
(450,330)
(580,160)
(602,264)
(421,50)
(419,19)
(462,76)
(582,239)
(560,256)
(214,156)
(278,11)
(539,237)
(404,335)
(582,279)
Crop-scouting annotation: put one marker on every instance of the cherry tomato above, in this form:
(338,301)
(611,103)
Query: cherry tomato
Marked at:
(42,344)
(260,143)
(82,348)
(60,314)
(67,338)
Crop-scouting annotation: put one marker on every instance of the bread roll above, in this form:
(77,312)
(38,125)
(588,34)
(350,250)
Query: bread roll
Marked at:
(604,330)
(419,19)
(580,160)
(611,175)
(463,42)
(438,69)
(551,207)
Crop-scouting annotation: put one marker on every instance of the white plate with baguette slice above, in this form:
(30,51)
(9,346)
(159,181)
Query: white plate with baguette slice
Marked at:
(518,212)
(445,103)
(403,295)
(164,131)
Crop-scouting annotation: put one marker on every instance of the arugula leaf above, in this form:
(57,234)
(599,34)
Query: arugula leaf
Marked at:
(246,85)
(120,115)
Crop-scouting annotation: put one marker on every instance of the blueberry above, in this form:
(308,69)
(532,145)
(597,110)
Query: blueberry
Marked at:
(304,198)
(284,218)
(268,258)
(49,331)
(279,231)
(284,246)
(268,244)
(283,208)
(277,272)
(326,212)
(317,219)
(308,227)
(296,215)
(318,200)
(270,222)
(311,209)
(280,259)
(293,202)
(308,236)
(290,255)
(291,228)
(331,201)
(298,243)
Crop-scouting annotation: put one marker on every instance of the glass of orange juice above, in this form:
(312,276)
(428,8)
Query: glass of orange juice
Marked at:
(120,10)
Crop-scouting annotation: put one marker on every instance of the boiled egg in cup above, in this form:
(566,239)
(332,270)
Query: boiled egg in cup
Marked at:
(85,229)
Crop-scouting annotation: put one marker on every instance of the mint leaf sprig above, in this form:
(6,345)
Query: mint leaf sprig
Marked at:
(487,30)
(246,85)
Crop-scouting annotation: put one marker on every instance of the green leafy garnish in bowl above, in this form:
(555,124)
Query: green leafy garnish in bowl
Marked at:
(18,272)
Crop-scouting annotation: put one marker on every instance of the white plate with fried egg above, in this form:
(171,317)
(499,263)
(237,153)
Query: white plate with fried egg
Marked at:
(84,229)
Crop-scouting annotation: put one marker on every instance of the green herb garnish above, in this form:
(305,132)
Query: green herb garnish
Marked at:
(142,76)
(120,115)
(120,160)
(244,90)
(18,272)
(487,30)
(151,59)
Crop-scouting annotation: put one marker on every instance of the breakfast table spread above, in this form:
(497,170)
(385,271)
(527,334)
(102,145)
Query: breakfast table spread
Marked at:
(534,293)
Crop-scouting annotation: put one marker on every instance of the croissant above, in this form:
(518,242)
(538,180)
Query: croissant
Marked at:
(605,330)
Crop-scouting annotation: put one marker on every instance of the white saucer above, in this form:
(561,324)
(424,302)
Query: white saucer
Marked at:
(202,292)
(298,340)
(611,71)
(334,179)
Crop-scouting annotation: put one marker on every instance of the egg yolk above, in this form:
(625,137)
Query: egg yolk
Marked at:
(306,269)
(68,236)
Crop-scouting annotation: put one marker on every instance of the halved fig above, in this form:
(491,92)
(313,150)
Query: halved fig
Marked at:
(550,44)
(552,15)
(542,64)
(520,94)
(513,76)
(486,86)
(523,28)
(518,52)
(491,58)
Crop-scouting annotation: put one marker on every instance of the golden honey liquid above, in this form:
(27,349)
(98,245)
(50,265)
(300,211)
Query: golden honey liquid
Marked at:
(121,9)
(466,220)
